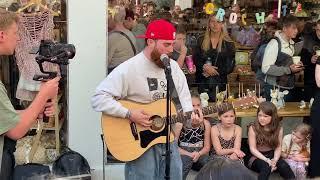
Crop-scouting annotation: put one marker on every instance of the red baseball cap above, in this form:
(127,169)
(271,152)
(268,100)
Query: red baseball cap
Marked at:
(159,29)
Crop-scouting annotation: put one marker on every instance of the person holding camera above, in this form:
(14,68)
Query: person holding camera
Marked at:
(15,124)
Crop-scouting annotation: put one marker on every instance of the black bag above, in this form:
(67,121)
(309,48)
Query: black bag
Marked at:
(31,171)
(71,163)
(8,162)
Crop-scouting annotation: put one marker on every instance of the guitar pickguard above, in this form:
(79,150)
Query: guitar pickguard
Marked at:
(148,136)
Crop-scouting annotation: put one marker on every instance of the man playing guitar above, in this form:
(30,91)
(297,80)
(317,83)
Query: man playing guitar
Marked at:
(142,79)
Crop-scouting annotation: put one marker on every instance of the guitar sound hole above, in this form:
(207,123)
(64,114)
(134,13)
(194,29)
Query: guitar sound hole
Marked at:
(157,123)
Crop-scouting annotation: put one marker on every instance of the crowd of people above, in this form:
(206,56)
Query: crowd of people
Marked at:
(135,72)
(201,146)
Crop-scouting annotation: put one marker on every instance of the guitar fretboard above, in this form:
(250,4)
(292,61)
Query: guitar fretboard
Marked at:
(183,117)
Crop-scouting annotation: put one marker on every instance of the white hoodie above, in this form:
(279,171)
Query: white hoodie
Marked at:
(140,80)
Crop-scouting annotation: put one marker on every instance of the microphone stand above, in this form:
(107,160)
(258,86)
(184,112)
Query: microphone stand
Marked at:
(168,122)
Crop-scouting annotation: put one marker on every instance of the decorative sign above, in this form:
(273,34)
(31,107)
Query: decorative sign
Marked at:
(243,17)
(233,18)
(260,16)
(220,14)
(209,8)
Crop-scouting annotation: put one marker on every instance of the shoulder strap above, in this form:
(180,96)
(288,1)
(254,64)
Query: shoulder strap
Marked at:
(1,148)
(290,145)
(125,35)
(174,95)
(36,141)
(279,44)
(218,127)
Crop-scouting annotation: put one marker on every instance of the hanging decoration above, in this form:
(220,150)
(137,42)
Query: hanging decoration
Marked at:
(209,8)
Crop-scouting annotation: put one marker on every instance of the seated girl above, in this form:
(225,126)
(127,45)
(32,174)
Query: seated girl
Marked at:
(194,142)
(265,136)
(226,136)
(296,150)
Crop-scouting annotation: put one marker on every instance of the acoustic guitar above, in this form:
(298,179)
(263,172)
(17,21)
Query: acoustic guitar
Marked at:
(127,141)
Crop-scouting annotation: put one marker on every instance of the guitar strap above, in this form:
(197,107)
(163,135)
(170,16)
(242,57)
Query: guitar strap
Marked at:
(174,95)
(176,100)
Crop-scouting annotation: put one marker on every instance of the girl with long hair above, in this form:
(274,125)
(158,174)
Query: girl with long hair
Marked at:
(265,136)
(214,58)
(226,136)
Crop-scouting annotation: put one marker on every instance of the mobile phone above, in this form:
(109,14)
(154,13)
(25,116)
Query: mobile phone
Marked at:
(303,66)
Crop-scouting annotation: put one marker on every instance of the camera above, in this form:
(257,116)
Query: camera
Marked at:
(53,52)
(57,52)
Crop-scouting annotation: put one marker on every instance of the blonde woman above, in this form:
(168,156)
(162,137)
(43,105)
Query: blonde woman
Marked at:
(214,58)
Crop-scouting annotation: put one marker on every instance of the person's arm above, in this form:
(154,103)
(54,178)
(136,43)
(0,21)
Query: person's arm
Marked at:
(111,88)
(237,142)
(284,147)
(300,158)
(317,74)
(253,146)
(207,142)
(277,151)
(115,86)
(29,116)
(177,130)
(182,56)
(269,59)
(216,143)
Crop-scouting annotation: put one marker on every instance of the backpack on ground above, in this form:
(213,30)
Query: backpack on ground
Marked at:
(31,171)
(71,164)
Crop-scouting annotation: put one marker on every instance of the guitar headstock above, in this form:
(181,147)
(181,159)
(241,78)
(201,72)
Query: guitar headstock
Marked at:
(245,102)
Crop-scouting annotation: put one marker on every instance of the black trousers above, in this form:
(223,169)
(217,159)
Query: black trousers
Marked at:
(314,164)
(264,169)
(8,161)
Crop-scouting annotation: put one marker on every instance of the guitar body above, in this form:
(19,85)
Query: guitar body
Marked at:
(120,137)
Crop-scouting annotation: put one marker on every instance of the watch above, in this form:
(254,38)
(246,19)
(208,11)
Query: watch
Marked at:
(128,114)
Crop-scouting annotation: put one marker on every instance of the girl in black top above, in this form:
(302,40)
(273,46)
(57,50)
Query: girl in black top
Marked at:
(214,58)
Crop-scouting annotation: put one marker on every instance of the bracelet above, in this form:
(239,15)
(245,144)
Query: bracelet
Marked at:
(267,160)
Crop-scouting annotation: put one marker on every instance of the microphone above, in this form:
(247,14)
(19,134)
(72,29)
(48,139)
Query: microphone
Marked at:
(165,60)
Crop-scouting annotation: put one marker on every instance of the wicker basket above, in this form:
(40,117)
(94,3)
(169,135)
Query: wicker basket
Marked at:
(232,77)
(247,78)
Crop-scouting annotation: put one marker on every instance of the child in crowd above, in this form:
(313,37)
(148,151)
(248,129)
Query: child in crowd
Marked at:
(180,50)
(265,136)
(226,136)
(194,142)
(296,150)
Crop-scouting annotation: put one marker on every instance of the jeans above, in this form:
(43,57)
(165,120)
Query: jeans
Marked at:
(188,164)
(151,165)
(264,169)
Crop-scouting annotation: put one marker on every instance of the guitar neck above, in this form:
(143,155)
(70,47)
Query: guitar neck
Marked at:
(183,117)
